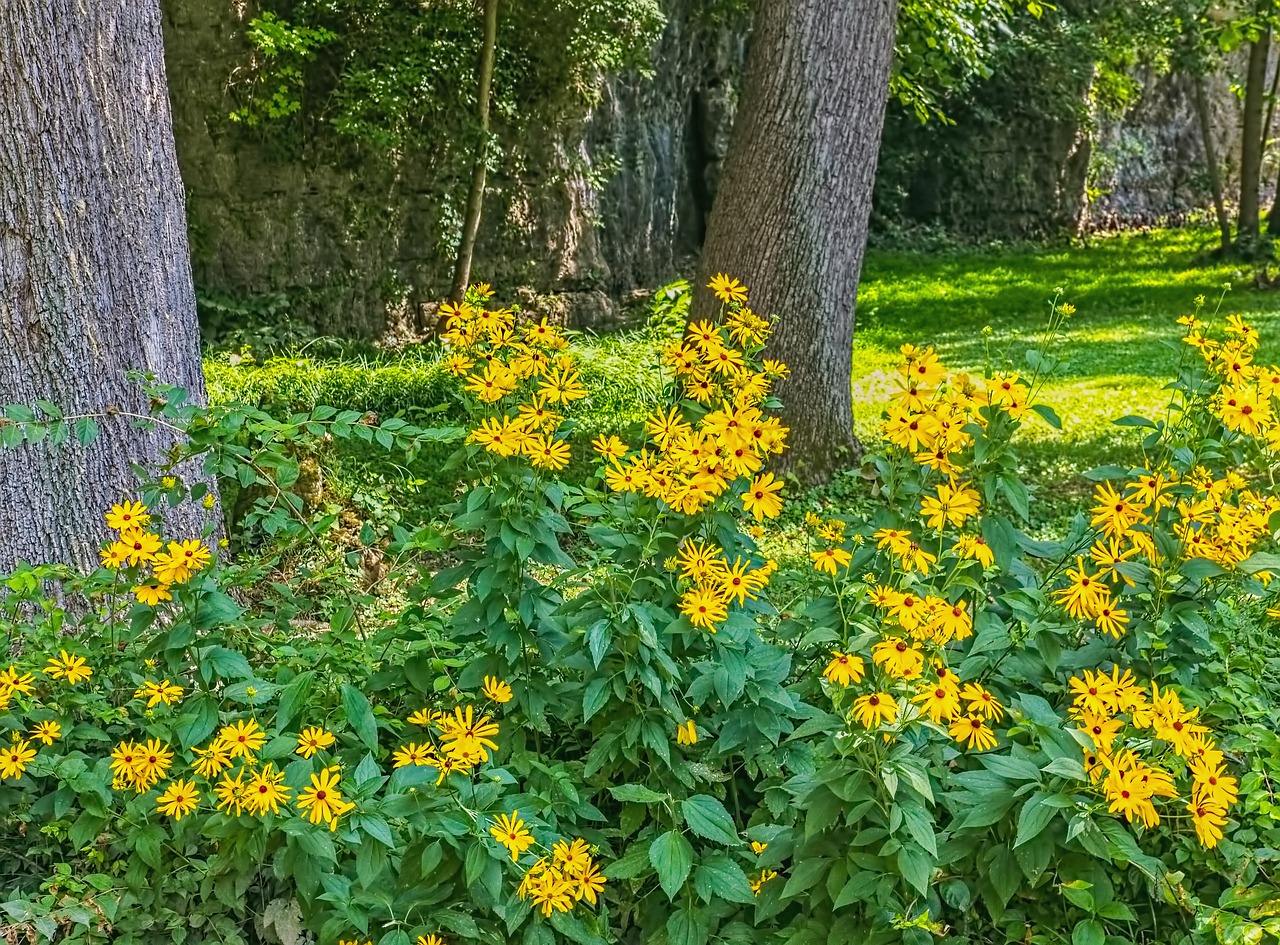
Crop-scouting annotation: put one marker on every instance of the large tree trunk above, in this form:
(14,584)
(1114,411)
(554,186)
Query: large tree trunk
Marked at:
(791,213)
(475,197)
(1251,142)
(95,275)
(1211,167)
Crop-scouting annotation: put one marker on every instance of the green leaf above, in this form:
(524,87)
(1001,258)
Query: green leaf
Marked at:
(1048,414)
(595,697)
(1089,932)
(293,698)
(636,792)
(360,715)
(806,874)
(198,721)
(86,430)
(685,927)
(707,818)
(215,609)
(915,869)
(1260,561)
(226,663)
(1036,814)
(672,856)
(1079,893)
(920,825)
(633,863)
(252,692)
(718,875)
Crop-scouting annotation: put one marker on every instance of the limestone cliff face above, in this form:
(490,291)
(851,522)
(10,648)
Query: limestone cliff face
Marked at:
(605,202)
(616,198)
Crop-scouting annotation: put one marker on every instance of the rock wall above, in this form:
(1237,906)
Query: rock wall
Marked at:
(1149,163)
(600,204)
(616,198)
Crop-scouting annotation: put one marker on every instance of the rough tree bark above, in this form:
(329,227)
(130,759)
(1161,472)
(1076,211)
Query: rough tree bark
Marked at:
(1211,162)
(1252,135)
(95,274)
(475,197)
(791,212)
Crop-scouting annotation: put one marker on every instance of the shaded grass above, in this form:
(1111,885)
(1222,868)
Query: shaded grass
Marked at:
(980,308)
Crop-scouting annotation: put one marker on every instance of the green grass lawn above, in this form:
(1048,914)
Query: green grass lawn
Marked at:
(1128,290)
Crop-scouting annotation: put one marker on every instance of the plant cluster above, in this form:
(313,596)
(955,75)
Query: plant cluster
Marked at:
(596,708)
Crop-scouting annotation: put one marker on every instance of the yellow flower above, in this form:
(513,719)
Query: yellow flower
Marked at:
(589,882)
(496,689)
(124,762)
(870,710)
(547,452)
(464,736)
(830,560)
(687,733)
(981,702)
(423,717)
(152,764)
(140,546)
(414,754)
(938,701)
(209,501)
(46,732)
(127,515)
(509,830)
(231,793)
(1209,819)
(312,740)
(844,669)
(266,791)
(183,559)
(432,939)
(757,847)
(115,555)
(155,693)
(14,758)
(954,504)
(704,606)
(973,732)
(609,447)
(322,801)
(242,738)
(898,658)
(178,799)
(74,669)
(727,289)
(700,560)
(211,761)
(761,498)
(764,877)
(152,592)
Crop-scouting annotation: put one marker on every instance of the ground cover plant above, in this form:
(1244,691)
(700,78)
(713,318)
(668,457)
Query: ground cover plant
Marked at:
(595,709)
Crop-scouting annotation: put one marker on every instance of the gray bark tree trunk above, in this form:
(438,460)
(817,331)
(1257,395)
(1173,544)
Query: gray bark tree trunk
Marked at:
(95,273)
(1211,167)
(475,196)
(1252,134)
(791,213)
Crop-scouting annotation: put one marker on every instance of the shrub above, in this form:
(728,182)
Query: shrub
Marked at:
(605,715)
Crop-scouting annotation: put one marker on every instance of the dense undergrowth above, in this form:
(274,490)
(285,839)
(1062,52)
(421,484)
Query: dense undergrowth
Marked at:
(598,707)
(980,306)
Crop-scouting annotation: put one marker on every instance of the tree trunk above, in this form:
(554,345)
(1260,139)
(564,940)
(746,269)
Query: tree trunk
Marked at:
(475,198)
(791,212)
(1251,141)
(1211,166)
(95,273)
